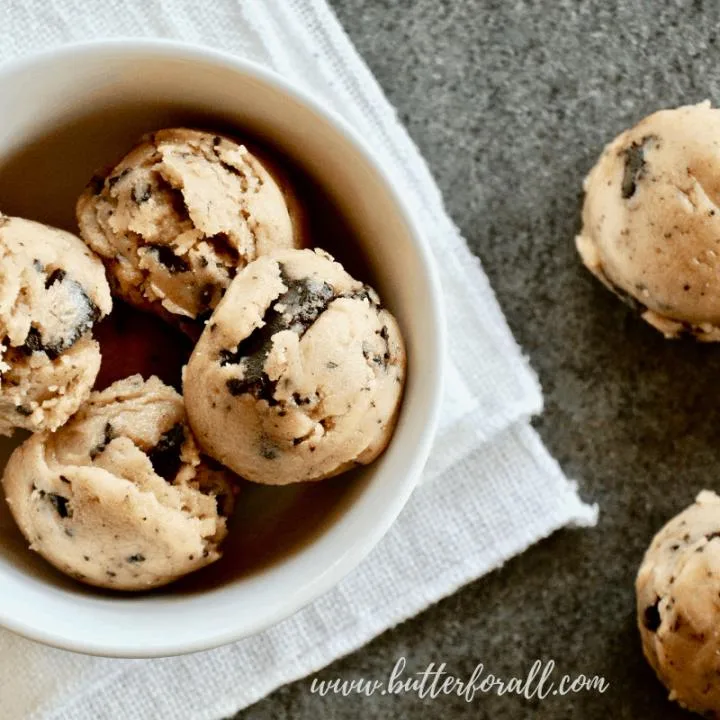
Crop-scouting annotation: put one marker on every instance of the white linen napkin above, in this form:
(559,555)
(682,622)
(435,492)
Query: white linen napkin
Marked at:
(495,490)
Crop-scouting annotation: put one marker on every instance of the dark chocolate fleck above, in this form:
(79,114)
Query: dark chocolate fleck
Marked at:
(269,453)
(110,573)
(23,410)
(60,503)
(115,178)
(166,257)
(634,167)
(137,558)
(56,275)
(64,479)
(141,193)
(304,301)
(165,456)
(108,435)
(651,617)
(33,342)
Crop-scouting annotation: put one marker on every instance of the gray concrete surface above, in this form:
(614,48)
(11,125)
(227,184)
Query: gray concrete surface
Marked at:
(510,102)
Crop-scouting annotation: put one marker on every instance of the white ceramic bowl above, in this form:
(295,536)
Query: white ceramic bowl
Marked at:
(66,112)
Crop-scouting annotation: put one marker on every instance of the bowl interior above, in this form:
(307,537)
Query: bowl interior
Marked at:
(68,114)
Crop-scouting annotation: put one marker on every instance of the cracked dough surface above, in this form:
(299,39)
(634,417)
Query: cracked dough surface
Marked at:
(120,497)
(178,216)
(299,373)
(678,605)
(651,222)
(52,291)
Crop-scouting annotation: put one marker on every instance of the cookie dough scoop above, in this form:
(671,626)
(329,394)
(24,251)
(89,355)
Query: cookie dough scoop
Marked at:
(651,221)
(678,605)
(120,496)
(52,292)
(298,374)
(178,216)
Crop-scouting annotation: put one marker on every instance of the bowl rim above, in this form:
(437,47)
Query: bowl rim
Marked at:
(348,560)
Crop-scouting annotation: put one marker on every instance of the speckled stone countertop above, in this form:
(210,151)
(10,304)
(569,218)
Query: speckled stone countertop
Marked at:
(511,102)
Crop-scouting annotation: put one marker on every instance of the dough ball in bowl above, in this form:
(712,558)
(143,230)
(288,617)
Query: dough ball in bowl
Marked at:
(651,220)
(299,373)
(678,605)
(120,496)
(178,216)
(52,291)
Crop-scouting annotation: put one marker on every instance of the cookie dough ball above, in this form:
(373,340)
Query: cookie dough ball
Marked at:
(651,223)
(678,587)
(298,375)
(178,216)
(120,496)
(52,291)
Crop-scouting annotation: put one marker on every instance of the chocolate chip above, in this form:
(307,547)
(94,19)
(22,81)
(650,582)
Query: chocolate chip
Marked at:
(110,573)
(141,193)
(87,314)
(165,456)
(56,275)
(330,365)
(634,167)
(137,558)
(33,342)
(204,262)
(269,452)
(108,435)
(64,479)
(365,293)
(166,257)
(262,388)
(712,535)
(112,181)
(226,357)
(59,502)
(303,302)
(231,169)
(23,410)
(651,617)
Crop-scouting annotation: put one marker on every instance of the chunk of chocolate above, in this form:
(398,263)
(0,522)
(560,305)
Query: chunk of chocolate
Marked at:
(165,456)
(301,304)
(168,259)
(651,617)
(634,167)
